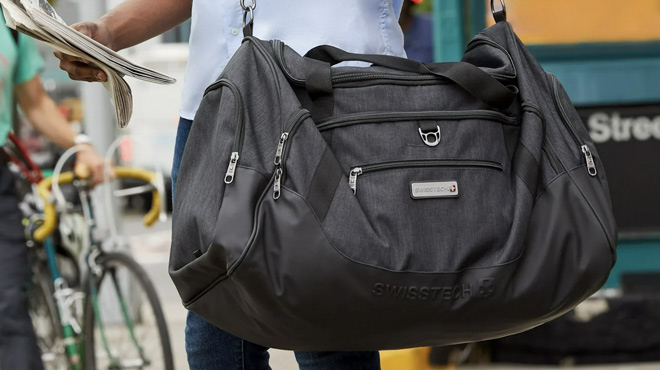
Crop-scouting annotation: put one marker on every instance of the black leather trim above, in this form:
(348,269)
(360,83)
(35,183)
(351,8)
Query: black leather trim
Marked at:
(278,294)
(587,185)
(324,184)
(238,212)
(527,168)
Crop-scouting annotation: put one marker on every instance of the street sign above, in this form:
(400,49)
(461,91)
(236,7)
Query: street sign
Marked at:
(628,141)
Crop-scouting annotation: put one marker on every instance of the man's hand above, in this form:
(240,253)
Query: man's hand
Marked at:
(94,162)
(82,70)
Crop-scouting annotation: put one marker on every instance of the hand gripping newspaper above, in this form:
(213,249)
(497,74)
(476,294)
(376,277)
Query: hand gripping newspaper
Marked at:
(37,19)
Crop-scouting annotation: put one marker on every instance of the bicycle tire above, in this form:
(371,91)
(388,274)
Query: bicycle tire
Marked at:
(113,264)
(45,319)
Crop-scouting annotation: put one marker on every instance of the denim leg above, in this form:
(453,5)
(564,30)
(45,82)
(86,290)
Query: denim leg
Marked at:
(183,130)
(367,360)
(18,344)
(208,347)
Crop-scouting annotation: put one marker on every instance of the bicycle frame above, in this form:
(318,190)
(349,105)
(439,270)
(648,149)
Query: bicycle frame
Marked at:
(66,297)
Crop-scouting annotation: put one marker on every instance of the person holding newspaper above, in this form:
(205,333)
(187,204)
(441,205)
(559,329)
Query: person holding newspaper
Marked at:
(366,26)
(19,64)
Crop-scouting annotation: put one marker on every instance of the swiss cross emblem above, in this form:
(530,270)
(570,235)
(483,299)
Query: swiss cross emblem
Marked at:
(486,287)
(452,188)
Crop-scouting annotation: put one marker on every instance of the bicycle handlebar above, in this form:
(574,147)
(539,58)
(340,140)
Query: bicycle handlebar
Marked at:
(50,215)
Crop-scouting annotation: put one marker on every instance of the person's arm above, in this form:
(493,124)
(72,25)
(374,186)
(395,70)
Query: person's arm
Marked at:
(42,113)
(130,23)
(135,21)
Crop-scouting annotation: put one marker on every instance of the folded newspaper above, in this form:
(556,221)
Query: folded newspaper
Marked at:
(37,19)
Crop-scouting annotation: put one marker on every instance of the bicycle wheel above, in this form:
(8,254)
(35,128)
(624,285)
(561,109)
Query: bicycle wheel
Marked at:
(45,320)
(124,325)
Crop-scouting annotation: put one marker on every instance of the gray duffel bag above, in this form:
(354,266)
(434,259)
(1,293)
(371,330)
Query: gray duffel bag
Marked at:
(389,206)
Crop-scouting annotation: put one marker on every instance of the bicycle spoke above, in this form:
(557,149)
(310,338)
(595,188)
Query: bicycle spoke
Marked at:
(132,325)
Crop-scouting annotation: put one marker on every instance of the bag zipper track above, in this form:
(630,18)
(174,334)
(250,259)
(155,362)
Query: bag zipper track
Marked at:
(360,118)
(547,147)
(459,163)
(591,166)
(281,153)
(553,159)
(237,147)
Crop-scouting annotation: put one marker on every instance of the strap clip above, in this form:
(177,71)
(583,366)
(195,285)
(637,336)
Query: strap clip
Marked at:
(500,15)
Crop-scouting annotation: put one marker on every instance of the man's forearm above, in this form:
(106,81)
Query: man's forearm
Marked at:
(135,21)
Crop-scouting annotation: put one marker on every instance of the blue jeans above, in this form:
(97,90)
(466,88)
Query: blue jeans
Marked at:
(210,348)
(18,344)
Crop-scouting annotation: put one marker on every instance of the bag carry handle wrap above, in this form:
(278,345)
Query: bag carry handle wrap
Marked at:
(471,78)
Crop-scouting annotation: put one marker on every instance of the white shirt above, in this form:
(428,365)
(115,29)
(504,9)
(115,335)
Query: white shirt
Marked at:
(359,26)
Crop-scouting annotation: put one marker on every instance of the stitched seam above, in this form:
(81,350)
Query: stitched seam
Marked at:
(243,354)
(383,25)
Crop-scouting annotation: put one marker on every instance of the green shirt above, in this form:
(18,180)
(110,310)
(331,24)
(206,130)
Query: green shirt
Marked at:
(17,65)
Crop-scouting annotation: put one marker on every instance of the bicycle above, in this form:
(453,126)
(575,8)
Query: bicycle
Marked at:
(105,314)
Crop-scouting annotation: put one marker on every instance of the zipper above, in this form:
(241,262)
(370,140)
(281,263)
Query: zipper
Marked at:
(280,148)
(589,159)
(237,147)
(231,169)
(460,163)
(281,152)
(278,46)
(360,118)
(591,166)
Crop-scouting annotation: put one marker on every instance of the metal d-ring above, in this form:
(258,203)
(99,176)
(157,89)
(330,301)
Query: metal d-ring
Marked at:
(253,4)
(248,9)
(498,15)
(431,138)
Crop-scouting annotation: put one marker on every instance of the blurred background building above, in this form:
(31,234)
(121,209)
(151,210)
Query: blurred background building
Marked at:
(606,53)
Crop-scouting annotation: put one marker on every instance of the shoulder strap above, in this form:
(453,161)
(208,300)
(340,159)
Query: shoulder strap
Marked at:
(471,78)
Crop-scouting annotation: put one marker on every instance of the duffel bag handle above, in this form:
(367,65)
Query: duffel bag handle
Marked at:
(471,78)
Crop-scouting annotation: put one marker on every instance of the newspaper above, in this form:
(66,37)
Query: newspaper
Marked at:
(37,19)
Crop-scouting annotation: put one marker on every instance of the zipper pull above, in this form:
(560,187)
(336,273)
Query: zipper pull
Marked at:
(229,176)
(591,166)
(352,180)
(280,148)
(277,185)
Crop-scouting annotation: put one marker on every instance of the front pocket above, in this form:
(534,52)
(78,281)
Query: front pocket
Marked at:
(447,163)
(426,216)
(391,136)
(383,117)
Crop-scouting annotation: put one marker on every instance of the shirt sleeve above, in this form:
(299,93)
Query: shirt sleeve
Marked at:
(28,62)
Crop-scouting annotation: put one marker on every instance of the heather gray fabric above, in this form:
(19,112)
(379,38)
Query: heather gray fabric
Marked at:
(293,258)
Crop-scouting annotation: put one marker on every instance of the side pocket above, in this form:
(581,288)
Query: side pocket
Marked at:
(214,136)
(236,219)
(233,229)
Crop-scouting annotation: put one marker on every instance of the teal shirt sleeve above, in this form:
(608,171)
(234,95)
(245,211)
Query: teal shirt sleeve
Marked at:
(29,63)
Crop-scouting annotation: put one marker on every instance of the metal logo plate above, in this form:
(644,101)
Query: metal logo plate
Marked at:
(423,190)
